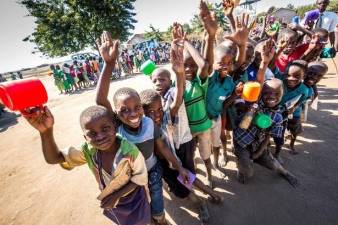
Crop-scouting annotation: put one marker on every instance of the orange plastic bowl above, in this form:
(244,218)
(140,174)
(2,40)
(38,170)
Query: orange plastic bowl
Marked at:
(251,91)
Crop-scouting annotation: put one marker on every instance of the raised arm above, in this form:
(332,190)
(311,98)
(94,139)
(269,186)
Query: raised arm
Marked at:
(176,58)
(297,27)
(314,49)
(43,121)
(210,25)
(267,54)
(241,36)
(109,51)
(228,8)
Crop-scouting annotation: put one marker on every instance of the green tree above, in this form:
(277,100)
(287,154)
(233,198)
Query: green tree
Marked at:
(67,26)
(333,6)
(153,34)
(221,18)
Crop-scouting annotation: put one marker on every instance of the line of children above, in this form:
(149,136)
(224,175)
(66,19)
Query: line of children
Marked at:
(142,138)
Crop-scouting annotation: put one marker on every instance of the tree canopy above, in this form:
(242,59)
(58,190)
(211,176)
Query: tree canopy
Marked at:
(67,26)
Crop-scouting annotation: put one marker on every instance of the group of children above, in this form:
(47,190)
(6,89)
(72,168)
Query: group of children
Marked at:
(71,78)
(136,139)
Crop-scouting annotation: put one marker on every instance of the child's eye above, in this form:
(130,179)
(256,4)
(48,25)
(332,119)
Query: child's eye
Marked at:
(92,133)
(105,129)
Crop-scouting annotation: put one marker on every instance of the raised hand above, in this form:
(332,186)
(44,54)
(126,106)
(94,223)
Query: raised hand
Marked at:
(178,33)
(40,118)
(108,47)
(209,20)
(176,58)
(228,7)
(240,37)
(315,43)
(268,51)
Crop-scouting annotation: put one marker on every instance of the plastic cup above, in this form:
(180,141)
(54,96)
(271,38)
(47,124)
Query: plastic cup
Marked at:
(251,91)
(148,67)
(22,94)
(262,121)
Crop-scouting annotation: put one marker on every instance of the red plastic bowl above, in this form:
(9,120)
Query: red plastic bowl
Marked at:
(21,94)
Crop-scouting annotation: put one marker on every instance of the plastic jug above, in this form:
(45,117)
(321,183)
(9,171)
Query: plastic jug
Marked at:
(22,94)
(148,67)
(251,91)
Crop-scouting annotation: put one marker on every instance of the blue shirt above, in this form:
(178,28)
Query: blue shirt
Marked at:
(217,92)
(289,94)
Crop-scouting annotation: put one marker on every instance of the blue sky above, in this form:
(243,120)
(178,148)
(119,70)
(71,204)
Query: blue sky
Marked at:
(15,25)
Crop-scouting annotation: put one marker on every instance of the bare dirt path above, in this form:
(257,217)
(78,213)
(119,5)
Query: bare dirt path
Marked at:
(35,193)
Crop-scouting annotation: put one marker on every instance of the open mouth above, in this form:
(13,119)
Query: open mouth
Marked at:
(135,121)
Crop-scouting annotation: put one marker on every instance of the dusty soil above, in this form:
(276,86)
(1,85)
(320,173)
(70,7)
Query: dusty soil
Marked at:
(34,193)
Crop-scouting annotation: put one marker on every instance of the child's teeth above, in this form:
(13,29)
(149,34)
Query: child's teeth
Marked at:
(134,121)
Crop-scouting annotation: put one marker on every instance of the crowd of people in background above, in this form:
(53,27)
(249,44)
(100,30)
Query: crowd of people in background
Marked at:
(135,139)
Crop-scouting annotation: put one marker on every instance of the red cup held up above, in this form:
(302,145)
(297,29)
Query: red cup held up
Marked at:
(23,94)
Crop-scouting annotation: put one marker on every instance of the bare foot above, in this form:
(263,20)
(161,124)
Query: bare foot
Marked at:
(292,179)
(216,198)
(210,183)
(223,161)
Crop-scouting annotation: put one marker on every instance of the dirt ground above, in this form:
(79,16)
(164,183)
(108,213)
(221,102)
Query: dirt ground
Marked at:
(35,193)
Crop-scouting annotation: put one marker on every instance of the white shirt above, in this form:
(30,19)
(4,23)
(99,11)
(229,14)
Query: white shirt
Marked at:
(329,21)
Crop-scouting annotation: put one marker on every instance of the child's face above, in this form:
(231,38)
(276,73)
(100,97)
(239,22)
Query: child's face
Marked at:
(155,112)
(313,76)
(291,40)
(161,82)
(271,96)
(129,110)
(100,133)
(294,77)
(223,63)
(190,67)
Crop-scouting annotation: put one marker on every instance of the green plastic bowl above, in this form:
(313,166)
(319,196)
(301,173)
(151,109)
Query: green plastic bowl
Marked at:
(262,121)
(148,67)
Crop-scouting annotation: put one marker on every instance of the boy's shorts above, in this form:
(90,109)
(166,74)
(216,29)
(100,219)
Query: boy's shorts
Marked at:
(204,145)
(216,132)
(245,163)
(295,126)
(186,155)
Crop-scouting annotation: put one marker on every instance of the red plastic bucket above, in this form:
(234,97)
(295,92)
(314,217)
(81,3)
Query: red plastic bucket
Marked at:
(21,94)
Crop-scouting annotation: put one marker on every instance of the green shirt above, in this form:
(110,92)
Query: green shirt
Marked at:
(194,99)
(218,91)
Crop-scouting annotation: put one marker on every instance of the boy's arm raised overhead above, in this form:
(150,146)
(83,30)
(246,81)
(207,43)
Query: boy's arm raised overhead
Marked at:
(267,54)
(210,25)
(177,63)
(109,52)
(241,36)
(228,8)
(43,121)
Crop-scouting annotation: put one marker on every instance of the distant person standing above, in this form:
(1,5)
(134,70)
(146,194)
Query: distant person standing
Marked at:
(328,21)
(58,81)
(20,75)
(95,66)
(13,76)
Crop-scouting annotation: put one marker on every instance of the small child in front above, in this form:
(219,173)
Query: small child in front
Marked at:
(251,144)
(137,128)
(117,164)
